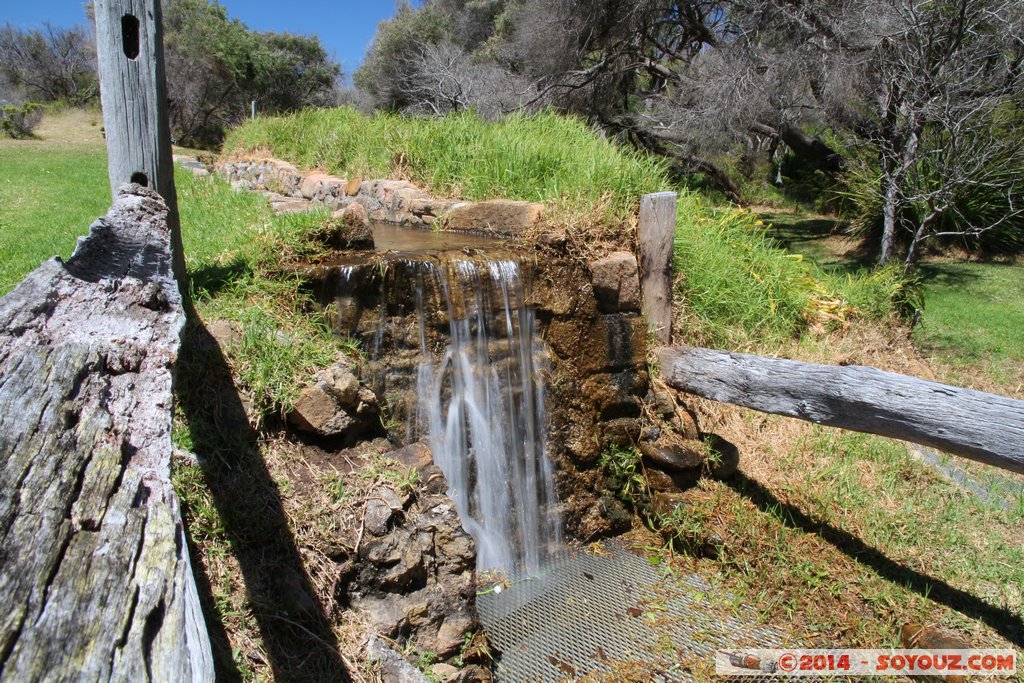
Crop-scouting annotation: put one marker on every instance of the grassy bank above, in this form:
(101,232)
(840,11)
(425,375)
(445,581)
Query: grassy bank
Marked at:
(537,158)
(738,291)
(972,312)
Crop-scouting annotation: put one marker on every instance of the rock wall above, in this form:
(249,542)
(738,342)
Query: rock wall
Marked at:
(394,201)
(588,318)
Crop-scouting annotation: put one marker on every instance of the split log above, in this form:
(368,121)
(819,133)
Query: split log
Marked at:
(656,232)
(95,579)
(980,426)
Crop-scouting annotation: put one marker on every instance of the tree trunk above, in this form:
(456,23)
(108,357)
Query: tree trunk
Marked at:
(887,246)
(984,427)
(812,150)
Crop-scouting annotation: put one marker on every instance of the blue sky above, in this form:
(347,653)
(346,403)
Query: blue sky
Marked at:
(345,26)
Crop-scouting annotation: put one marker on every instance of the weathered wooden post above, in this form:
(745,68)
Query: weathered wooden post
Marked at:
(656,236)
(133,90)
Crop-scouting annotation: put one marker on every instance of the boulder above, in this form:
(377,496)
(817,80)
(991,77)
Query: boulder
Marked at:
(616,282)
(336,404)
(684,422)
(670,453)
(725,457)
(311,184)
(501,216)
(413,576)
(349,228)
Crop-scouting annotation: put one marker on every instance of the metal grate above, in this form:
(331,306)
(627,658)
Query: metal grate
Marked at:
(611,613)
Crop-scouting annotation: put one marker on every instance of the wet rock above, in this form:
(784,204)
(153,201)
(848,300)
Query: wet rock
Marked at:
(615,394)
(501,216)
(616,282)
(684,422)
(661,403)
(725,459)
(672,454)
(664,503)
(661,481)
(417,456)
(335,404)
(622,432)
(599,343)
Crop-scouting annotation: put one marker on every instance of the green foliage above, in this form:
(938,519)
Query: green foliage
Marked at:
(383,72)
(216,66)
(540,157)
(989,194)
(18,120)
(233,242)
(625,475)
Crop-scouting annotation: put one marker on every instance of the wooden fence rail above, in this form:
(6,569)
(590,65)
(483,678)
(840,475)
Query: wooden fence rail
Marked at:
(980,426)
(95,579)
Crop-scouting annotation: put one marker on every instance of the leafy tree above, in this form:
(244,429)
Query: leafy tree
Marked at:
(216,66)
(924,94)
(50,64)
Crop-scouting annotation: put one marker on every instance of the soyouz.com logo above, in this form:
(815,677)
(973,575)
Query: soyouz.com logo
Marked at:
(866,662)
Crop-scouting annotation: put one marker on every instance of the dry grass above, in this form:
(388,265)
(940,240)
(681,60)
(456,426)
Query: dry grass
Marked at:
(842,537)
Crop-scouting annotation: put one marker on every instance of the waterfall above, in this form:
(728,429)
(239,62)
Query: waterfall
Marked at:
(481,408)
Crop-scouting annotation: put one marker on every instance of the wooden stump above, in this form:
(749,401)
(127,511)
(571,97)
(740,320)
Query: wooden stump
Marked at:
(95,577)
(656,232)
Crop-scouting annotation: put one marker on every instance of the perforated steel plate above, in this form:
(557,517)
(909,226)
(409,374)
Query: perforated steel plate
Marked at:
(615,614)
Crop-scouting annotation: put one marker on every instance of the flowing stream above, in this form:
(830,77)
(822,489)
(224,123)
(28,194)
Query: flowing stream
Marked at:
(481,409)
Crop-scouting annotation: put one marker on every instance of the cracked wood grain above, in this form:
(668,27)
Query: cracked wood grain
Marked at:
(95,579)
(985,427)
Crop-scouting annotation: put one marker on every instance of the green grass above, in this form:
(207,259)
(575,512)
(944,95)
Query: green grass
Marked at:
(538,158)
(973,312)
(974,318)
(738,288)
(233,246)
(48,198)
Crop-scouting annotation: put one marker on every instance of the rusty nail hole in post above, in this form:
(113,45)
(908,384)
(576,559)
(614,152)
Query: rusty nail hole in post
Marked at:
(130,36)
(140,178)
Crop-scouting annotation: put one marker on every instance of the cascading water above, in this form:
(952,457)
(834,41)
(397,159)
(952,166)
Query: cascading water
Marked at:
(481,408)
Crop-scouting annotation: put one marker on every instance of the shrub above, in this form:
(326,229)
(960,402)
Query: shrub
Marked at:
(18,120)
